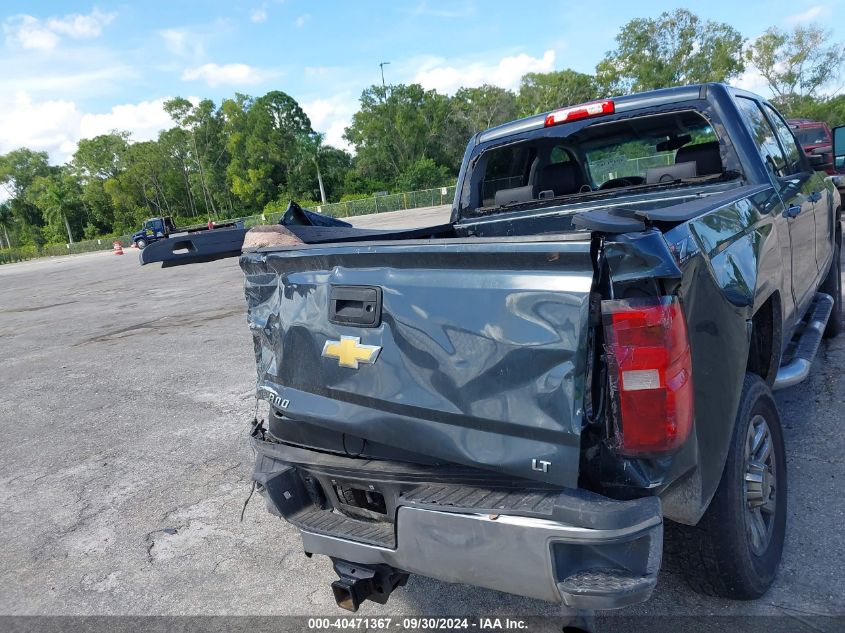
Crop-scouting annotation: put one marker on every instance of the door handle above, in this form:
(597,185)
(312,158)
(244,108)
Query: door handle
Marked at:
(815,196)
(792,211)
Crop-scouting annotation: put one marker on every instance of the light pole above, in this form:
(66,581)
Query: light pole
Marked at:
(381,66)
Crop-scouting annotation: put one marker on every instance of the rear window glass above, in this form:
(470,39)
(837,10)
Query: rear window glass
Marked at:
(634,158)
(812,136)
(507,168)
(586,157)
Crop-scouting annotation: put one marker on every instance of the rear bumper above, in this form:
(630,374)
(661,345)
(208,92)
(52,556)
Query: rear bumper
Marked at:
(580,549)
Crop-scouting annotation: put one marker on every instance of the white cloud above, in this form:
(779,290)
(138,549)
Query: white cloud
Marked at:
(143,120)
(31,33)
(81,26)
(228,74)
(258,15)
(815,12)
(753,81)
(332,116)
(81,83)
(40,126)
(439,75)
(182,42)
(302,19)
(55,126)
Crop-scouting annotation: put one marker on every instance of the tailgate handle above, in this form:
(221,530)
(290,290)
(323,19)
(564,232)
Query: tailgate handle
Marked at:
(355,305)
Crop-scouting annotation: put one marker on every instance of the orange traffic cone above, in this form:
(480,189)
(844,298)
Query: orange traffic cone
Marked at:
(118,249)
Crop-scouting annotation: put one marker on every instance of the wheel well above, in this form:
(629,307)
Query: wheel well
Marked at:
(764,348)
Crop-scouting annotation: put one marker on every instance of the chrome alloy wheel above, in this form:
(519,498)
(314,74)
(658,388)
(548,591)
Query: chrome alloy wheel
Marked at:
(760,493)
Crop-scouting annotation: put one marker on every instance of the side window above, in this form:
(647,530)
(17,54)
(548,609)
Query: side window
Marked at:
(793,152)
(559,155)
(506,168)
(764,136)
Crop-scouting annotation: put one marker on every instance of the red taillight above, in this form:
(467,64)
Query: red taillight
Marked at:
(651,373)
(583,111)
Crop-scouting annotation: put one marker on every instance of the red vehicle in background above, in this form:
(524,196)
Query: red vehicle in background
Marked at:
(815,138)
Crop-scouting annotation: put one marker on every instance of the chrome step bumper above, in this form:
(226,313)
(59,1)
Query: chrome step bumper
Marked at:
(575,547)
(582,568)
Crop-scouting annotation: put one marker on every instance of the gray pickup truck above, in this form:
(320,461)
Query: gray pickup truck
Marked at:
(530,397)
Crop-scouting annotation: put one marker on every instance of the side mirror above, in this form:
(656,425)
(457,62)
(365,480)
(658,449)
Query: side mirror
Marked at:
(839,147)
(818,161)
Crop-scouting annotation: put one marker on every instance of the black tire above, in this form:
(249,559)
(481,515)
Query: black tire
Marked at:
(832,285)
(718,555)
(141,243)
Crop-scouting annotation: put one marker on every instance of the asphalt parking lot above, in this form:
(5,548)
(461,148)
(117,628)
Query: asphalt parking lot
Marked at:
(125,395)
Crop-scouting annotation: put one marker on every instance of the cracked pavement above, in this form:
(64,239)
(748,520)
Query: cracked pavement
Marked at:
(125,395)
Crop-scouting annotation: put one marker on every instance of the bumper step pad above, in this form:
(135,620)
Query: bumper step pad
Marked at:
(529,503)
(594,588)
(335,524)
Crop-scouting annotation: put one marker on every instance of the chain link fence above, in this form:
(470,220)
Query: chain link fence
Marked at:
(390,202)
(362,206)
(24,253)
(367,206)
(607,169)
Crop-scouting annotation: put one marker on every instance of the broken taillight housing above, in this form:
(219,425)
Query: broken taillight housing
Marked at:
(650,369)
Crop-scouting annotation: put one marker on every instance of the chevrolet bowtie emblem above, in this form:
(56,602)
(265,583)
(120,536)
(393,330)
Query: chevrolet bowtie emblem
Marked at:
(349,352)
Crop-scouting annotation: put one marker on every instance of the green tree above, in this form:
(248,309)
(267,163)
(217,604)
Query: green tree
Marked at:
(6,221)
(264,142)
(483,107)
(149,185)
(398,125)
(311,148)
(796,64)
(541,92)
(323,165)
(59,198)
(18,170)
(95,161)
(828,109)
(175,146)
(207,149)
(423,174)
(674,49)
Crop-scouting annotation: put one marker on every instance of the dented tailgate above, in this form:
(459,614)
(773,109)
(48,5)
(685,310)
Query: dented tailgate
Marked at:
(475,354)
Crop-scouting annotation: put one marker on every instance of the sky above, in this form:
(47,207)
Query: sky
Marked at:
(73,69)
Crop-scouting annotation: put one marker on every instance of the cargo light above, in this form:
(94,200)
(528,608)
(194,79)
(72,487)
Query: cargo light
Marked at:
(583,111)
(650,368)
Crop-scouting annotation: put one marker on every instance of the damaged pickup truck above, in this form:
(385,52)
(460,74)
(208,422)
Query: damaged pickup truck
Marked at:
(528,397)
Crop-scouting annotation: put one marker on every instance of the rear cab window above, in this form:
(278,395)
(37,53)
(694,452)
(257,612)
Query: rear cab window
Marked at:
(673,146)
(812,135)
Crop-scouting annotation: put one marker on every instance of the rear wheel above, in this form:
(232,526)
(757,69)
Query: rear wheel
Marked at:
(141,243)
(735,550)
(832,286)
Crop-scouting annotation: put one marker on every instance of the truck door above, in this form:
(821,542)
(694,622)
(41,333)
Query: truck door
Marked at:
(795,190)
(158,228)
(815,191)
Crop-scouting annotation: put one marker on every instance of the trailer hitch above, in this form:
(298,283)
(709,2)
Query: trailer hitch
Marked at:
(357,583)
